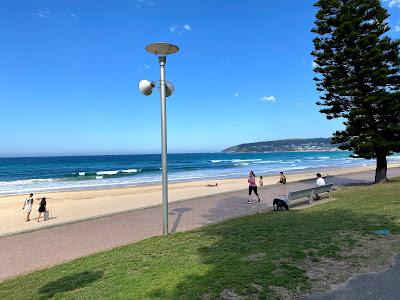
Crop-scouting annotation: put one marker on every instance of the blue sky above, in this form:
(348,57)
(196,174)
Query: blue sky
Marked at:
(69,72)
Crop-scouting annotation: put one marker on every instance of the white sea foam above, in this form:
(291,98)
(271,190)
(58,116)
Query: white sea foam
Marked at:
(287,162)
(130,171)
(234,160)
(107,172)
(297,168)
(26,181)
(245,160)
(99,177)
(242,164)
(82,173)
(267,161)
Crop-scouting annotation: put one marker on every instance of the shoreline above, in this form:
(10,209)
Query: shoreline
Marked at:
(67,206)
(174,181)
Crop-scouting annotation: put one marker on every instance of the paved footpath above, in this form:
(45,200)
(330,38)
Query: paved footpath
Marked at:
(26,252)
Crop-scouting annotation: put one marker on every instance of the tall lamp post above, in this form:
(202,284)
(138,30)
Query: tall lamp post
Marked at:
(166,90)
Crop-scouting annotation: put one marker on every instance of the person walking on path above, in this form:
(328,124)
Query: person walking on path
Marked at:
(252,186)
(28,207)
(42,207)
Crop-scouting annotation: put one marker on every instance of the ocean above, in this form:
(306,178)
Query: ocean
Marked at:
(25,175)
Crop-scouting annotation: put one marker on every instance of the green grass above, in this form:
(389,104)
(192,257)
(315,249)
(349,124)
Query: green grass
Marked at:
(191,264)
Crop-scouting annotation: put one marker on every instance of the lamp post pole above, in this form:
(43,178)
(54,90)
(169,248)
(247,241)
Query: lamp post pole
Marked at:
(161,50)
(162,60)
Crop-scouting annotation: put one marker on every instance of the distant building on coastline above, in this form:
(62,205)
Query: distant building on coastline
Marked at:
(312,144)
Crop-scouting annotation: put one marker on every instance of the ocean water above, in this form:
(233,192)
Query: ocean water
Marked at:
(24,175)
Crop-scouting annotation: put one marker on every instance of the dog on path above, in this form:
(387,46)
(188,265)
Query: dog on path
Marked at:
(279,203)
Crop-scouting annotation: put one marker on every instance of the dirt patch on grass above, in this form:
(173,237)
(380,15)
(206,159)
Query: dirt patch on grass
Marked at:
(254,257)
(368,254)
(361,254)
(281,292)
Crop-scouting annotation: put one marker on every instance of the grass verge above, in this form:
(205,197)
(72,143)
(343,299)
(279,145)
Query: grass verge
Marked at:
(268,255)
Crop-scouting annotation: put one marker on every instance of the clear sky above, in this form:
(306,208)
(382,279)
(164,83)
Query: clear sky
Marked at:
(69,72)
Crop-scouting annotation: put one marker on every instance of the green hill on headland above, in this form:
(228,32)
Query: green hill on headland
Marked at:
(311,144)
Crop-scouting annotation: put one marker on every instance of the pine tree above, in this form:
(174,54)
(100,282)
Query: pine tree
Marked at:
(358,75)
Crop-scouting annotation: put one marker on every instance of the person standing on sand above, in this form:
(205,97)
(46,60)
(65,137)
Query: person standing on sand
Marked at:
(261,181)
(42,207)
(252,186)
(28,207)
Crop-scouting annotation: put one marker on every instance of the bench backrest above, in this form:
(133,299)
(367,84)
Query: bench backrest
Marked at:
(309,193)
(301,194)
(323,188)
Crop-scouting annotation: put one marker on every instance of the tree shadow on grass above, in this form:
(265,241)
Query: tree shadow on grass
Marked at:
(251,254)
(69,283)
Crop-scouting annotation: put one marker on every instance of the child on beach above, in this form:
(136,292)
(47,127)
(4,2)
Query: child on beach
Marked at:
(261,181)
(28,206)
(252,186)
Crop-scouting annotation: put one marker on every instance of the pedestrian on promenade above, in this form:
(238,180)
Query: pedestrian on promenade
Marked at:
(252,186)
(42,207)
(28,204)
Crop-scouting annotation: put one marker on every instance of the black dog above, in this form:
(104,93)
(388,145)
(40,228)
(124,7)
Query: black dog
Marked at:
(280,203)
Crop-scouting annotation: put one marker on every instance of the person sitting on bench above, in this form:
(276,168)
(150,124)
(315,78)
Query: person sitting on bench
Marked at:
(320,182)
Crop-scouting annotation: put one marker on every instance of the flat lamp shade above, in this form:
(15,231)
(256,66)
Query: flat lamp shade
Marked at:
(162,48)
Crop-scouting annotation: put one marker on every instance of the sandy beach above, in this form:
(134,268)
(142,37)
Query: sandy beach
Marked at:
(75,205)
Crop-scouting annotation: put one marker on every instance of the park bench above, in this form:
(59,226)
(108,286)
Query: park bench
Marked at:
(298,196)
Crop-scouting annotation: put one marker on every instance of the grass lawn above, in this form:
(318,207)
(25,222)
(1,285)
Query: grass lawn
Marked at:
(253,255)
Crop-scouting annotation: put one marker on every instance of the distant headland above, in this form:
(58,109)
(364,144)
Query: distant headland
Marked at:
(310,144)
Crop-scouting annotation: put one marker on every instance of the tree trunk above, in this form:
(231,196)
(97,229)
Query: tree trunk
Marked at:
(381,169)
